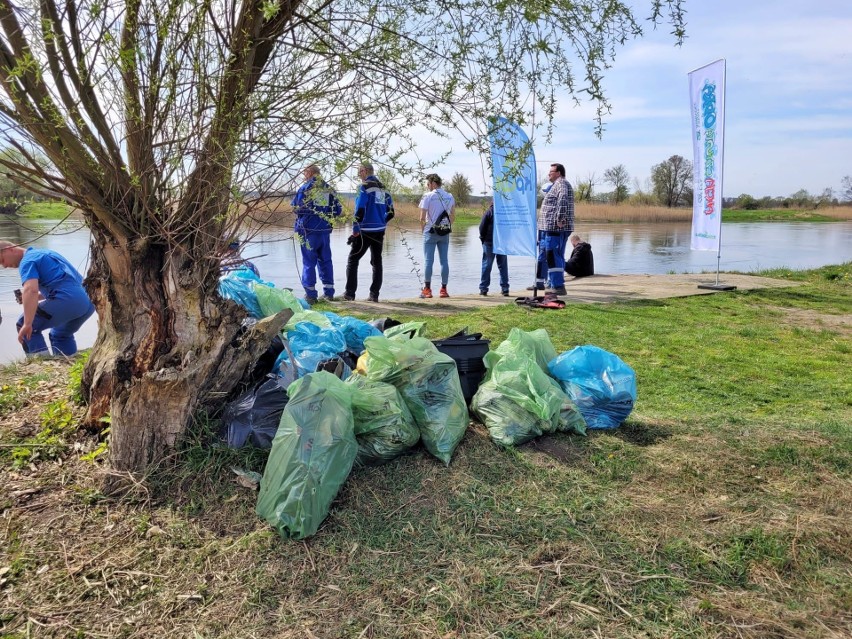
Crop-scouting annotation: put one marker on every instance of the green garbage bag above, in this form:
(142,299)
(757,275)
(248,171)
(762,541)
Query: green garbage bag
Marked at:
(520,401)
(406,330)
(384,427)
(273,300)
(428,381)
(312,455)
(535,345)
(313,317)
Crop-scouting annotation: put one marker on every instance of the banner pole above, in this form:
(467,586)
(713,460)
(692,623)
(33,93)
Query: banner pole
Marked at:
(535,264)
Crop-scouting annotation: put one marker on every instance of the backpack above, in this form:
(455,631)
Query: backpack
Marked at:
(440,226)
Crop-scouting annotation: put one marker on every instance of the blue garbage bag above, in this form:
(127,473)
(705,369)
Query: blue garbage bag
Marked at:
(238,285)
(354,331)
(311,344)
(601,385)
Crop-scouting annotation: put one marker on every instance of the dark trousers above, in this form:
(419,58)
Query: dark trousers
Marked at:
(366,241)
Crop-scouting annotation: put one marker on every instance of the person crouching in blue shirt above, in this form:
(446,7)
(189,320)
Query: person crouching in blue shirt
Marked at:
(53,298)
(316,205)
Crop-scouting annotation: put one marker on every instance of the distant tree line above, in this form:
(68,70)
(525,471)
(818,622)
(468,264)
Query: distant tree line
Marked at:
(801,199)
(670,185)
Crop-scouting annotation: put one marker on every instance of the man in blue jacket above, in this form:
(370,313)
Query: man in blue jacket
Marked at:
(373,211)
(316,205)
(53,298)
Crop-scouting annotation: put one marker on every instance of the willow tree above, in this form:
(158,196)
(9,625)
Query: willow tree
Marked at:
(166,122)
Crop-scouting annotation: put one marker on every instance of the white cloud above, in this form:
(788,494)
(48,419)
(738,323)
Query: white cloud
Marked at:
(789,100)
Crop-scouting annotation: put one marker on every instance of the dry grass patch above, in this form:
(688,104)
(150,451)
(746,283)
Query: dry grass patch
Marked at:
(813,320)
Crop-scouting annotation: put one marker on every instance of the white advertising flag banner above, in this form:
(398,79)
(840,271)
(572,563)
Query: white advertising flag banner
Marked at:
(707,102)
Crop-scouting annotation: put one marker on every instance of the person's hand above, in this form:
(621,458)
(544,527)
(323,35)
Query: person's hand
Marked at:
(25,333)
(390,215)
(352,238)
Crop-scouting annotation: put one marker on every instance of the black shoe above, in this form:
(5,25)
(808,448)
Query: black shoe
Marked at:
(505,293)
(327,298)
(372,298)
(556,290)
(348,297)
(483,293)
(311,300)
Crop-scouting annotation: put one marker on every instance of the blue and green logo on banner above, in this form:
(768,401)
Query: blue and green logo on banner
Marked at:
(513,170)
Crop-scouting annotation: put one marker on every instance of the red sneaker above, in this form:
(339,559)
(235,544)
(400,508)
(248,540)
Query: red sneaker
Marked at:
(426,293)
(443,292)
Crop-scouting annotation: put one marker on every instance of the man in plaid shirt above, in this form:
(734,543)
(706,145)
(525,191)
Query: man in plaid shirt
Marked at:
(555,224)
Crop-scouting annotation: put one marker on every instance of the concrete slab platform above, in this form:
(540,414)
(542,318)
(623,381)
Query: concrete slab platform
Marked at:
(595,289)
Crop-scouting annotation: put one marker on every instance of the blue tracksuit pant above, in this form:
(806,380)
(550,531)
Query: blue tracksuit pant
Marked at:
(316,256)
(64,312)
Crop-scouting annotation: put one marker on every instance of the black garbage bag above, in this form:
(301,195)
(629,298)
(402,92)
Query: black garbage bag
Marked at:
(384,322)
(253,418)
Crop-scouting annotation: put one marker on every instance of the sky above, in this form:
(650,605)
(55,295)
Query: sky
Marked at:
(788,122)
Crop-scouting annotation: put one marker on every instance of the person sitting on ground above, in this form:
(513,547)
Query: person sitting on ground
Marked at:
(52,296)
(486,236)
(232,260)
(581,263)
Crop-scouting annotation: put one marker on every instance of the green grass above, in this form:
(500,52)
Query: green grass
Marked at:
(720,508)
(13,394)
(44,210)
(778,215)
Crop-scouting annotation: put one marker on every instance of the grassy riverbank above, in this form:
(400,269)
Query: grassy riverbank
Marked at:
(719,509)
(279,212)
(44,210)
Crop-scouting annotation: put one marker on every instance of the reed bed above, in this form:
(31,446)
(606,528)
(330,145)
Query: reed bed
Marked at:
(590,212)
(837,212)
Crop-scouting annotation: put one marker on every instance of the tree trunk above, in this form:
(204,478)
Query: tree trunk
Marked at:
(167,346)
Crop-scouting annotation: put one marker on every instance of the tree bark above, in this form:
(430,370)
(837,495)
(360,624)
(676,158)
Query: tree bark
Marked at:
(167,347)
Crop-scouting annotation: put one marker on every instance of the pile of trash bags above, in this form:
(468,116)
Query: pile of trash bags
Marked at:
(402,392)
(529,391)
(342,393)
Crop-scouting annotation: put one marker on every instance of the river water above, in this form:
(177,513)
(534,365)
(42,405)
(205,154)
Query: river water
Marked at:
(618,248)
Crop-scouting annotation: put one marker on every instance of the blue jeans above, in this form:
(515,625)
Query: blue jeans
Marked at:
(488,257)
(64,312)
(442,242)
(551,258)
(316,255)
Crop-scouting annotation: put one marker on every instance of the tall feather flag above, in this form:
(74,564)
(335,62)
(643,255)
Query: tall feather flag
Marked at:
(707,105)
(514,181)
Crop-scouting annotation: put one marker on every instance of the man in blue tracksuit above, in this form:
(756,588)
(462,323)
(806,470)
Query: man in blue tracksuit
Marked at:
(53,298)
(316,205)
(555,224)
(373,211)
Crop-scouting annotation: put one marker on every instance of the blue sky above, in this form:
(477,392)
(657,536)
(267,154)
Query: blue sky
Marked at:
(789,101)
